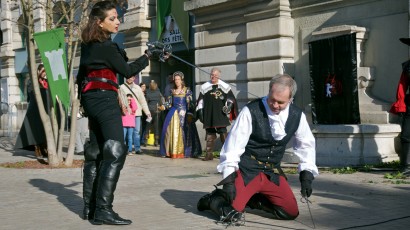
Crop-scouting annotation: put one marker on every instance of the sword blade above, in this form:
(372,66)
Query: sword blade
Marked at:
(176,57)
(192,65)
(310,212)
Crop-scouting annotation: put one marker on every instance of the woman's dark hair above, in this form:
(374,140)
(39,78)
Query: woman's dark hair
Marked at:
(181,75)
(40,66)
(92,32)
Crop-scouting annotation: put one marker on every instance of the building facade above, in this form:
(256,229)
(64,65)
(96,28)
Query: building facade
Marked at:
(253,40)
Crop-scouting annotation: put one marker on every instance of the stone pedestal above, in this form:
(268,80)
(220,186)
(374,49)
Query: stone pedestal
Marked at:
(344,145)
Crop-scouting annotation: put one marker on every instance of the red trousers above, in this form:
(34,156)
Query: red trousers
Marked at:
(281,196)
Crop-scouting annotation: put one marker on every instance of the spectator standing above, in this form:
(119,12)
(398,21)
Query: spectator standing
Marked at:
(402,107)
(31,135)
(143,117)
(179,137)
(215,103)
(129,86)
(81,134)
(82,130)
(169,86)
(168,91)
(128,121)
(155,104)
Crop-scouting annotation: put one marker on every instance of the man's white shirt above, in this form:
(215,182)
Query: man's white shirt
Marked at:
(238,137)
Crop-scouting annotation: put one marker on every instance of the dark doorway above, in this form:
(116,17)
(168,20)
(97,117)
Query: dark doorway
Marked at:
(333,75)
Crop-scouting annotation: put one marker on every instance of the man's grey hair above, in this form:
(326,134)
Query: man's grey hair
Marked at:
(284,80)
(216,69)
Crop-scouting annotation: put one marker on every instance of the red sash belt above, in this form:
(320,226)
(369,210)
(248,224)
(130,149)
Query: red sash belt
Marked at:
(101,79)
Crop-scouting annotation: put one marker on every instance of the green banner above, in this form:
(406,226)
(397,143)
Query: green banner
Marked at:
(175,8)
(163,9)
(51,45)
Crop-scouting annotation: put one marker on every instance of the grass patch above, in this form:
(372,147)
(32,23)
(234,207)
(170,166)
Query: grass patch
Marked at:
(214,153)
(39,164)
(16,165)
(290,170)
(393,165)
(394,176)
(344,170)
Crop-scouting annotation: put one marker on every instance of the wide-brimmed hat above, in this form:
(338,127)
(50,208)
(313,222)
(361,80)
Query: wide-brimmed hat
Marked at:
(405,41)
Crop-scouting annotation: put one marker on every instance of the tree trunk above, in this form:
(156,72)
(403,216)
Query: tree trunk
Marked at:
(45,119)
(75,103)
(61,131)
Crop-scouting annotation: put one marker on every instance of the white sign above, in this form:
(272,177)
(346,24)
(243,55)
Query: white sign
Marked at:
(171,33)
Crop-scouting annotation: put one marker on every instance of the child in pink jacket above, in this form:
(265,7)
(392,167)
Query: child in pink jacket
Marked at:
(128,122)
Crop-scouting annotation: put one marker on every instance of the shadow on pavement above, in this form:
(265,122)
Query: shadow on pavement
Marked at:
(66,196)
(186,200)
(7,145)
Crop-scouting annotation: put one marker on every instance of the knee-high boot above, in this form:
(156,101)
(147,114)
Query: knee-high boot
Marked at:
(210,143)
(405,158)
(91,152)
(217,203)
(114,154)
(261,202)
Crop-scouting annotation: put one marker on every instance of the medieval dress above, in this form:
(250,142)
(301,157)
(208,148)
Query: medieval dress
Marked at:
(179,137)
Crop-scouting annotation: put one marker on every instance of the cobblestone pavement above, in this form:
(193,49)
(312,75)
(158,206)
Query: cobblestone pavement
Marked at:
(161,193)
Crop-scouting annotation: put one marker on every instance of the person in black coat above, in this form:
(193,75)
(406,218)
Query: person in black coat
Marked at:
(32,135)
(155,102)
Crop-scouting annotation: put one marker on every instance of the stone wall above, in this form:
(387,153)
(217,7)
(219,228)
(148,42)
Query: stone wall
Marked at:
(253,40)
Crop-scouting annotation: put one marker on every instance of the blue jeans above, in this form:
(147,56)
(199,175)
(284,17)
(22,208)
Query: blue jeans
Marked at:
(128,132)
(136,134)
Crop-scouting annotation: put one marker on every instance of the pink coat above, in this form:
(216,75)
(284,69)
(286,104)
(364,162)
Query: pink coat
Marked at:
(128,120)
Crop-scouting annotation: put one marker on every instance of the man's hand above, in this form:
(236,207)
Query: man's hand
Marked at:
(230,191)
(306,179)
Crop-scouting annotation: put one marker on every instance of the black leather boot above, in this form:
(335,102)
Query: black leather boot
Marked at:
(114,154)
(261,202)
(103,212)
(405,158)
(90,173)
(217,203)
(204,202)
(91,152)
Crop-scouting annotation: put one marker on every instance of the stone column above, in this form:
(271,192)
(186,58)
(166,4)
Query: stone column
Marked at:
(136,29)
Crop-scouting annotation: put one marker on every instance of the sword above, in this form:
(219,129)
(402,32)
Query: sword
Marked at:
(166,52)
(192,65)
(307,201)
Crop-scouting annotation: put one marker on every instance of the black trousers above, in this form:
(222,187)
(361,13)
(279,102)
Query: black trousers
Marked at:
(104,116)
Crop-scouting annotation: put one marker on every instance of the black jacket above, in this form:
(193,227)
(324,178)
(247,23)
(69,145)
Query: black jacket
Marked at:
(107,54)
(263,153)
(153,99)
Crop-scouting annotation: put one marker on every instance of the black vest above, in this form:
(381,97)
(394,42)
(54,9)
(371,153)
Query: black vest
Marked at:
(263,153)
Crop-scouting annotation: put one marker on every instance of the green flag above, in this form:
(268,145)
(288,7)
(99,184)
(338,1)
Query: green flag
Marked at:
(51,45)
(163,9)
(175,8)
